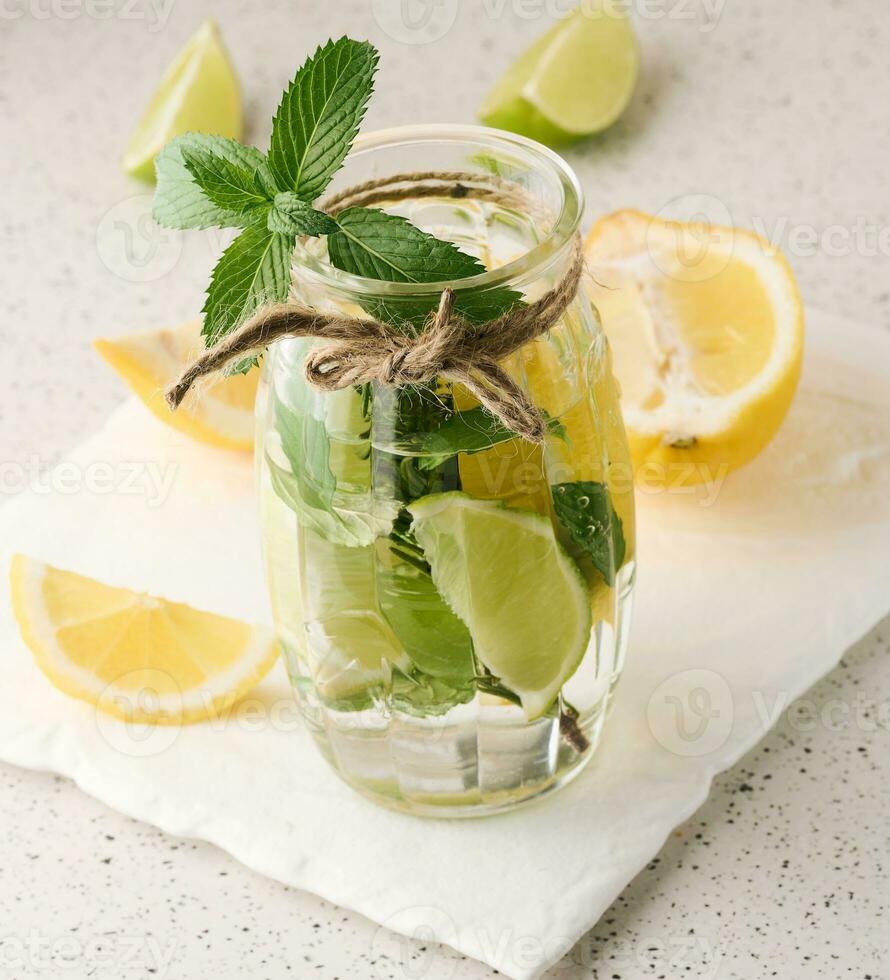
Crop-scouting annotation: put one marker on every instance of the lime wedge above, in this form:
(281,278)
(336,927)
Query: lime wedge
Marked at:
(574,81)
(199,93)
(519,594)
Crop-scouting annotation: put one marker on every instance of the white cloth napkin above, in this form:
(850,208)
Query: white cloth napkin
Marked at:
(742,603)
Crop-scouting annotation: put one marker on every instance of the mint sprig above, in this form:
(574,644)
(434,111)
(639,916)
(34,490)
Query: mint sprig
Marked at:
(180,201)
(233,187)
(292,216)
(253,270)
(319,116)
(208,180)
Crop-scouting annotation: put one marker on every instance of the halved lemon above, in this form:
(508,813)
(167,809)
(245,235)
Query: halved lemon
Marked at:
(199,93)
(219,413)
(131,655)
(706,328)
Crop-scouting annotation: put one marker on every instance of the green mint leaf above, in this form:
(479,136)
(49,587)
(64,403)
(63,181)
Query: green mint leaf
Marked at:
(338,527)
(470,431)
(179,201)
(292,216)
(309,488)
(435,639)
(423,695)
(319,116)
(585,509)
(230,186)
(305,443)
(253,270)
(377,245)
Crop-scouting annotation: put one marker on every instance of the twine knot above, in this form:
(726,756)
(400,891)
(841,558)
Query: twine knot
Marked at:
(391,372)
(359,350)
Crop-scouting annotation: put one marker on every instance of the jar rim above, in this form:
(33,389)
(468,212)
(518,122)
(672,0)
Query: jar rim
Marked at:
(565,224)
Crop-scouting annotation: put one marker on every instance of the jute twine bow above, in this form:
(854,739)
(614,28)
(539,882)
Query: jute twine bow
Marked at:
(361,350)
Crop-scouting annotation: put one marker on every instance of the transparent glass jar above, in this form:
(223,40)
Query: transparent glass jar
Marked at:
(453,621)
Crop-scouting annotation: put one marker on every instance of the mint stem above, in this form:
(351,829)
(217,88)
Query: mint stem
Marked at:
(571,730)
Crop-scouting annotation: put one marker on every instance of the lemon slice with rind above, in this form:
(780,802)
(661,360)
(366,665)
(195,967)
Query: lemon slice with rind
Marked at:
(220,413)
(134,656)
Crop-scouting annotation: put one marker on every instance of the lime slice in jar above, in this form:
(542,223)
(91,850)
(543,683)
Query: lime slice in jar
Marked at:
(519,593)
(573,82)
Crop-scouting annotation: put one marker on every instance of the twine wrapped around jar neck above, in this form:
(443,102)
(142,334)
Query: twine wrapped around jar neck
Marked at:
(362,350)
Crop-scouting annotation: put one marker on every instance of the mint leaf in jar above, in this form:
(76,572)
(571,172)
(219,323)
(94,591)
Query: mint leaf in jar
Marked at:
(585,509)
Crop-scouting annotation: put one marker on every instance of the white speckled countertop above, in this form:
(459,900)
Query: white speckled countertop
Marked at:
(775,113)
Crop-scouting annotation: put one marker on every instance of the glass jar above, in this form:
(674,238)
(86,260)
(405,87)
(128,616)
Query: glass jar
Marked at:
(452,602)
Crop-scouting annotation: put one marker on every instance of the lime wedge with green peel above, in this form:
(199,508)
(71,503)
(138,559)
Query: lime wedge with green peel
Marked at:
(573,82)
(519,593)
(199,93)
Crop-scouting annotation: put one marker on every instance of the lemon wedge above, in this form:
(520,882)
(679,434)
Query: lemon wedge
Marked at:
(706,327)
(133,656)
(199,93)
(220,414)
